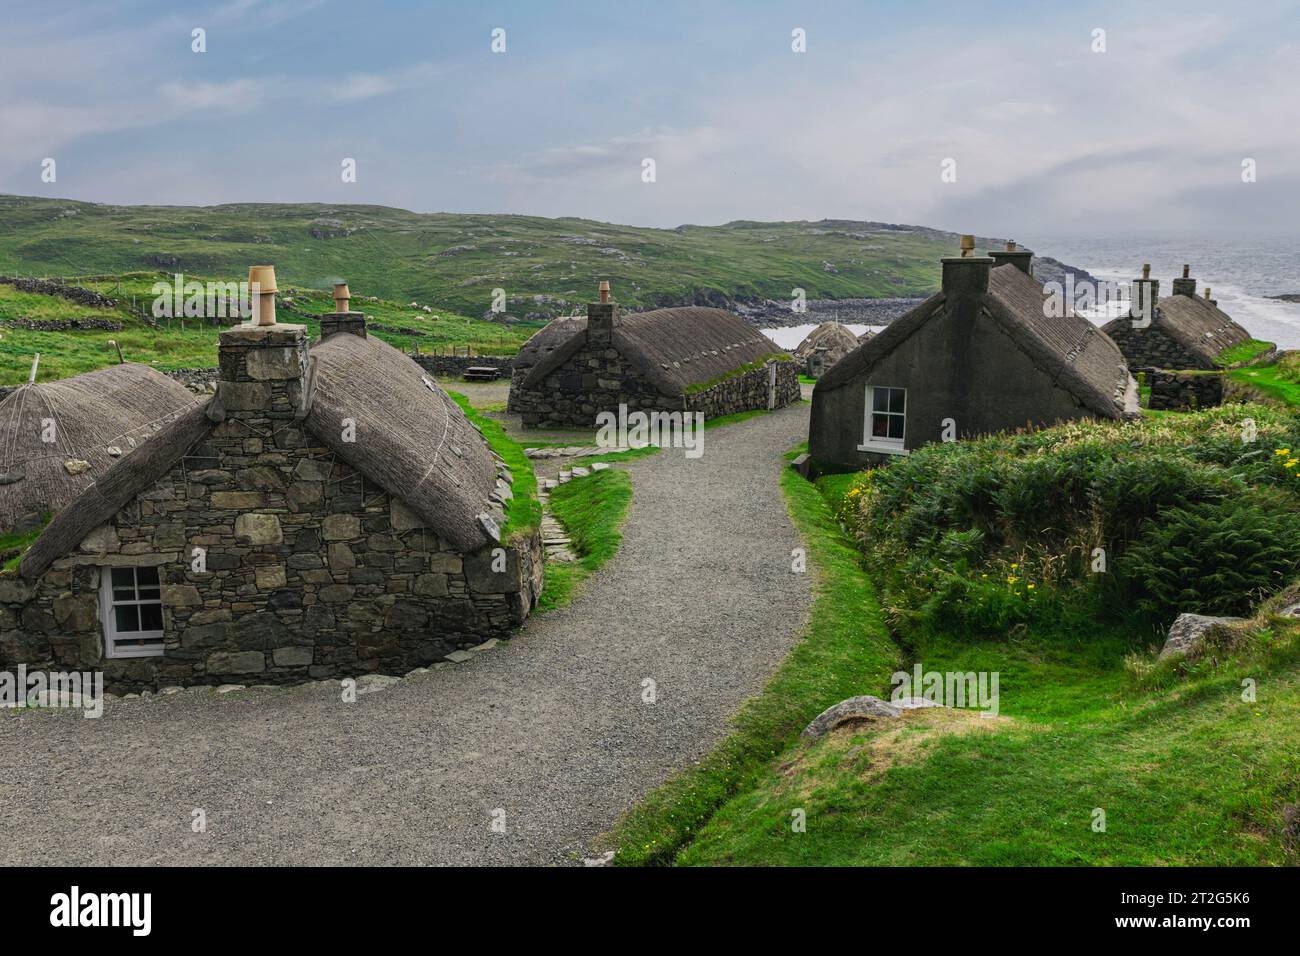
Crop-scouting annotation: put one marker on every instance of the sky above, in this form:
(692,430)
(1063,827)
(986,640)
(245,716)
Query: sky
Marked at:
(1047,134)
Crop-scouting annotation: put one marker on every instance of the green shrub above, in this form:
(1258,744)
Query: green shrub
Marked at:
(1212,558)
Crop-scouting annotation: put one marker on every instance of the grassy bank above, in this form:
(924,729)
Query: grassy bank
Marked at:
(524,510)
(844,649)
(592,510)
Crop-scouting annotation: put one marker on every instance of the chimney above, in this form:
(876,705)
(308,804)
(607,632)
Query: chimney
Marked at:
(1022,259)
(262,288)
(1145,295)
(1213,302)
(342,319)
(263,364)
(1185,285)
(602,317)
(966,277)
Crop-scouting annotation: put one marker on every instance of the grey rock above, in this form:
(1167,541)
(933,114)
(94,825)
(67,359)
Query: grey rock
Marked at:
(865,707)
(1188,632)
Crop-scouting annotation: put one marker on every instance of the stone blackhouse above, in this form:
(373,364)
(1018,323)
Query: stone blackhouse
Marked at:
(682,359)
(984,354)
(329,512)
(1178,342)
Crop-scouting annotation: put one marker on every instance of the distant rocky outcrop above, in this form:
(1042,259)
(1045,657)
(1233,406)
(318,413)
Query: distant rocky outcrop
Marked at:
(73,293)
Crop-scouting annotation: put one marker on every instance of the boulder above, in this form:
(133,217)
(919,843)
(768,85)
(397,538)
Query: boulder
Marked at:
(865,707)
(1188,633)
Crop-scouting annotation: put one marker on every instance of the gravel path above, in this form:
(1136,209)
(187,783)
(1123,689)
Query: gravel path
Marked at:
(549,728)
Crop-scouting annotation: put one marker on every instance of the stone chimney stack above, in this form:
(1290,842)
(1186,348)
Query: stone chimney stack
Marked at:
(1022,259)
(602,317)
(1145,294)
(264,364)
(1186,285)
(342,319)
(966,277)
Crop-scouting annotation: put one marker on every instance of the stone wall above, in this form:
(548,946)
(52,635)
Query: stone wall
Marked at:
(73,293)
(598,379)
(595,379)
(456,364)
(743,392)
(1150,347)
(1184,391)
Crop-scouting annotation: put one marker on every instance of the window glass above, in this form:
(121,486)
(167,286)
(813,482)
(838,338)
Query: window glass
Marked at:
(151,617)
(126,618)
(896,398)
(880,399)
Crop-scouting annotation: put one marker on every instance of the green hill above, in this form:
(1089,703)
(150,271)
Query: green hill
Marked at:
(546,266)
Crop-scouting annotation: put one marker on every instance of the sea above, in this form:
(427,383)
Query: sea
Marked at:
(1241,274)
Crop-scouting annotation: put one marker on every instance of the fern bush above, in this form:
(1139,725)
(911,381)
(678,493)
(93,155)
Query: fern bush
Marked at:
(1188,512)
(1212,558)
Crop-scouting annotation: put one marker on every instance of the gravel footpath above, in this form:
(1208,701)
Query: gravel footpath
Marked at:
(549,728)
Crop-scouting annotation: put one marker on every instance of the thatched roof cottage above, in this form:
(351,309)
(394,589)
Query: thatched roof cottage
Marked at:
(1180,331)
(984,354)
(679,359)
(59,437)
(330,512)
(823,347)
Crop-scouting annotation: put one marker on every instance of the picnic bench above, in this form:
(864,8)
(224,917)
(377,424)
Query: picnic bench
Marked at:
(481,373)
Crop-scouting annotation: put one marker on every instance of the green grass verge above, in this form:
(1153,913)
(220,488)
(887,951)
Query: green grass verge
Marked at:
(524,510)
(1279,381)
(1242,352)
(845,650)
(592,510)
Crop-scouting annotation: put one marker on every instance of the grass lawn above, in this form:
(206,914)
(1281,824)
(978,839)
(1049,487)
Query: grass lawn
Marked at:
(844,649)
(592,510)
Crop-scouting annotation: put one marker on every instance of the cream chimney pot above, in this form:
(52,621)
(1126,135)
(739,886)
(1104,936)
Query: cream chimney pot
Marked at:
(1187,271)
(967,246)
(1146,271)
(261,283)
(1011,245)
(341,297)
(604,290)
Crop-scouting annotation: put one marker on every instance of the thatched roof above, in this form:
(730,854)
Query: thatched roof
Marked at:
(548,338)
(673,348)
(1196,324)
(118,408)
(1083,359)
(411,439)
(836,339)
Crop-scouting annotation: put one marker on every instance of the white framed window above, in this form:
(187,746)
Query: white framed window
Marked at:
(131,608)
(886,420)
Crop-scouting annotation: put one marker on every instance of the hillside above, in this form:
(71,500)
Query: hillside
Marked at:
(547,267)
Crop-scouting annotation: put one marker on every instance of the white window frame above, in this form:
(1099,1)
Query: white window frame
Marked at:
(154,648)
(882,446)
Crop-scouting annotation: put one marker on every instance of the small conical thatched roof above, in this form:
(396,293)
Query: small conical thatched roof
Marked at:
(837,340)
(94,420)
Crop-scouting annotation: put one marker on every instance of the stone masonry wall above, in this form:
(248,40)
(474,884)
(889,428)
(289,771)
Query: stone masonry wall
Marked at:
(599,379)
(744,392)
(593,380)
(311,572)
(1150,347)
(1184,391)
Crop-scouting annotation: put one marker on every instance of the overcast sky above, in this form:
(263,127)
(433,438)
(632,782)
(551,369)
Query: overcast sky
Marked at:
(1048,136)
